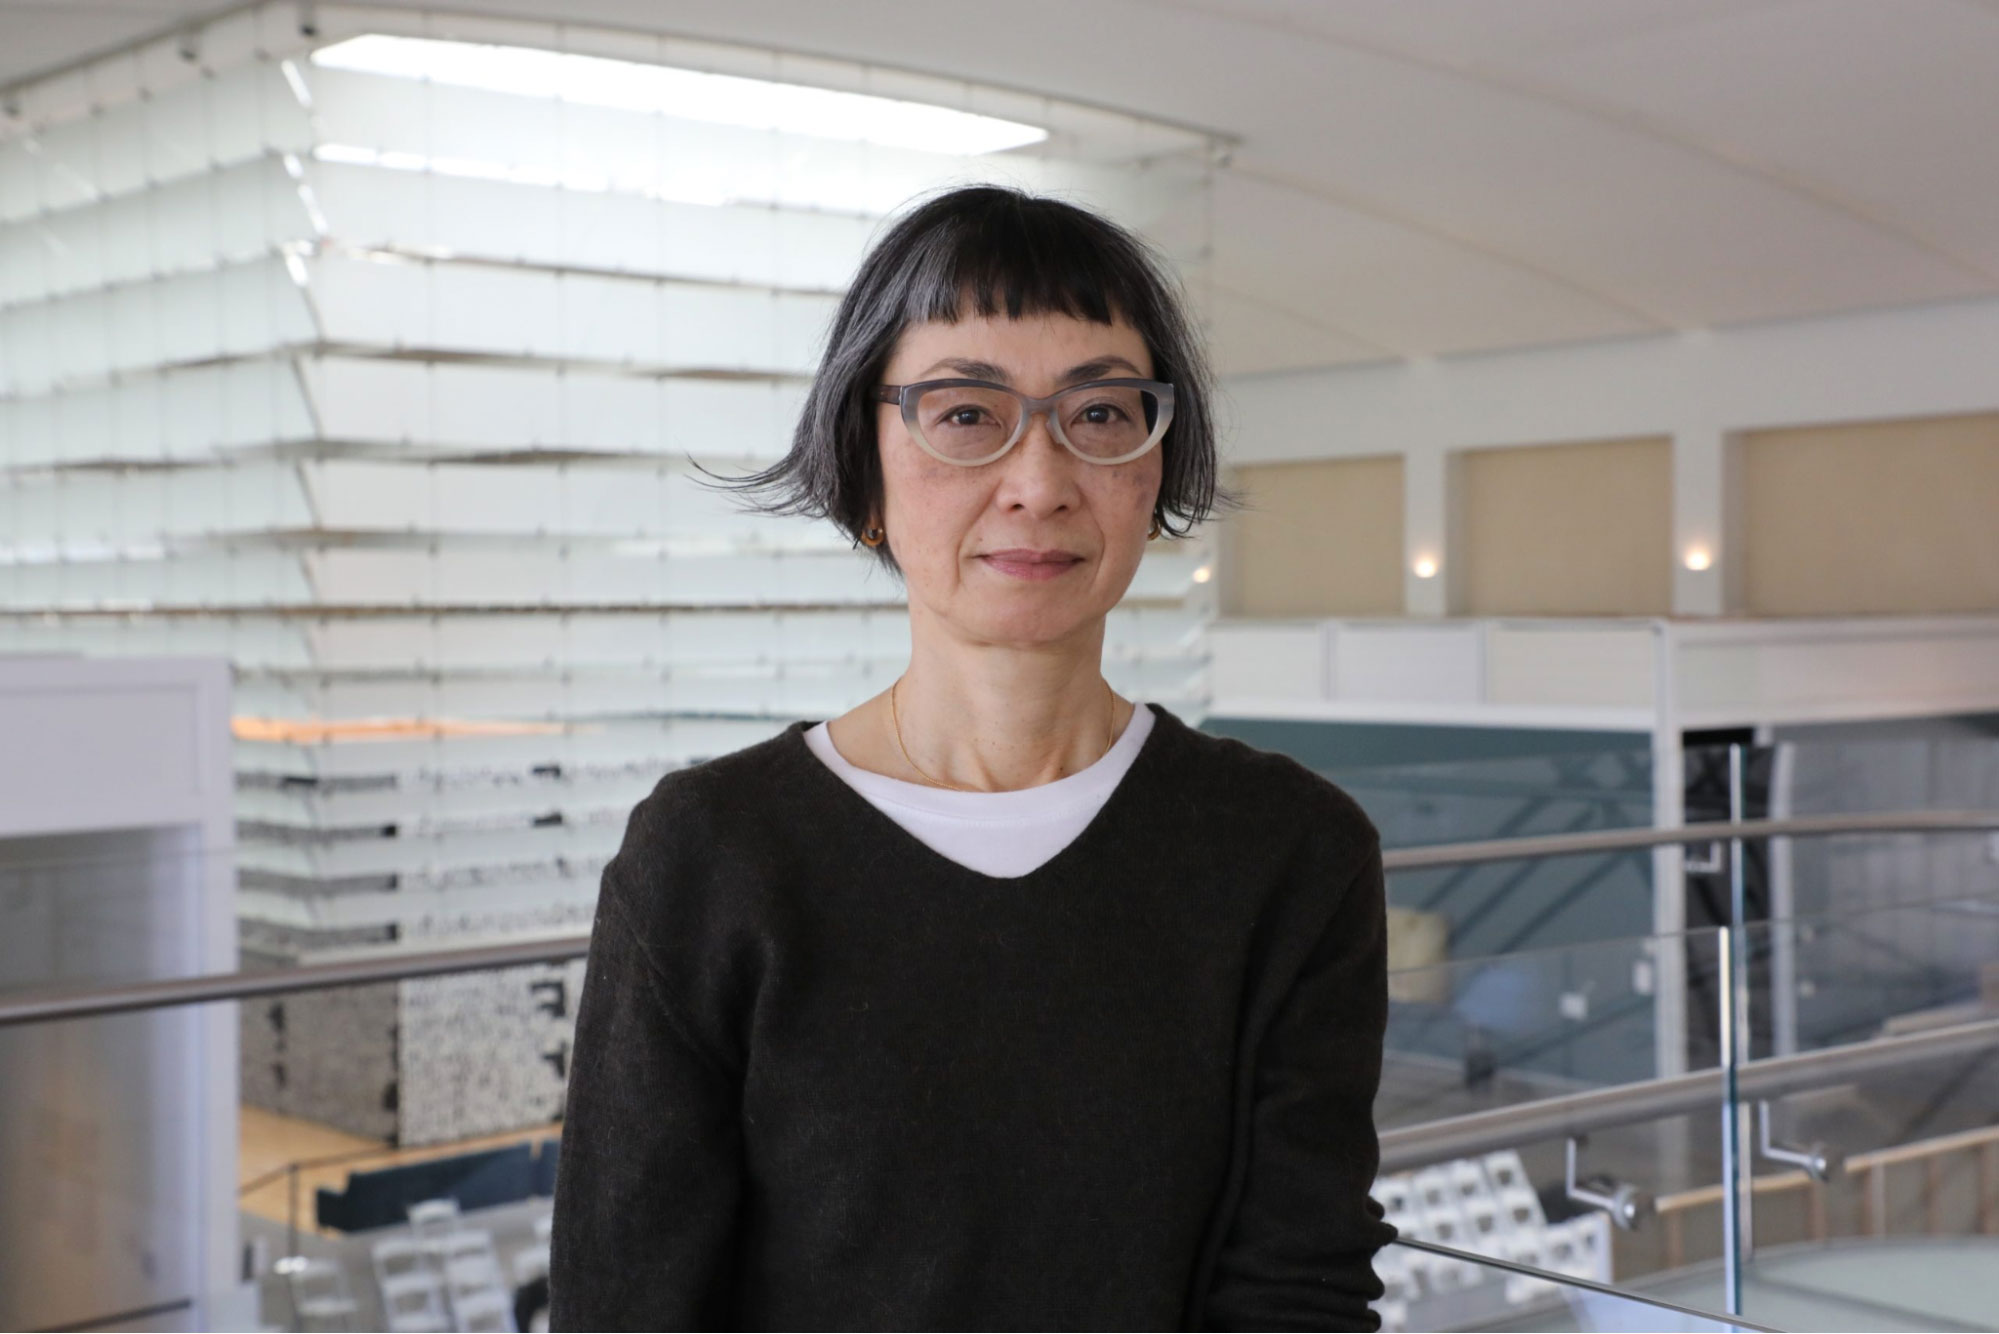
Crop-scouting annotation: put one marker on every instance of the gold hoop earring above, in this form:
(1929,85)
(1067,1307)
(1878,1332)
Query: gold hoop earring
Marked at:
(1153,534)
(872,536)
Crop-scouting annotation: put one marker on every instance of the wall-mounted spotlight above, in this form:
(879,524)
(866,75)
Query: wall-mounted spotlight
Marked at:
(1625,1203)
(1820,1161)
(1425,567)
(1202,574)
(1699,558)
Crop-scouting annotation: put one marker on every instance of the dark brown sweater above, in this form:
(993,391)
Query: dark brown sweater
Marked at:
(825,1077)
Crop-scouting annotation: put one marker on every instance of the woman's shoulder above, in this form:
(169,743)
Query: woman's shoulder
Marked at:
(706,817)
(717,784)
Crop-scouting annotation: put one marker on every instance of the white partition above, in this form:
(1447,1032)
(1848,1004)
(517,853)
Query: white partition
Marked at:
(117,1135)
(1609,673)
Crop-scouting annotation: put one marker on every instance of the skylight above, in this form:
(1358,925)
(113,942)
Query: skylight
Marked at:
(720,99)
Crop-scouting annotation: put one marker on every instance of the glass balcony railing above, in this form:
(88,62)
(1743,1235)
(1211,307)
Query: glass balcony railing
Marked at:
(1791,1123)
(1446,1288)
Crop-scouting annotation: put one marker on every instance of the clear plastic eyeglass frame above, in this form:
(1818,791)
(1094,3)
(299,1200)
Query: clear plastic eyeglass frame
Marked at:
(906,396)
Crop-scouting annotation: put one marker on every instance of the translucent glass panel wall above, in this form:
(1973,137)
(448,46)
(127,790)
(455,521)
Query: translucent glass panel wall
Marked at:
(397,391)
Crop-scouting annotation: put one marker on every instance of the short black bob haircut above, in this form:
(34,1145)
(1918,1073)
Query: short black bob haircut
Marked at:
(991,250)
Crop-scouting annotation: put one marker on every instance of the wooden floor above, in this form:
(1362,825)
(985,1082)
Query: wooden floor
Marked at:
(268,1143)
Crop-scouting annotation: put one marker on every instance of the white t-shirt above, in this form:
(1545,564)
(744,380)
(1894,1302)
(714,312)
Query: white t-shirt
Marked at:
(998,833)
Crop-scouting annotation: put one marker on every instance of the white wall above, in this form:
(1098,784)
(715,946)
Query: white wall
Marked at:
(1698,387)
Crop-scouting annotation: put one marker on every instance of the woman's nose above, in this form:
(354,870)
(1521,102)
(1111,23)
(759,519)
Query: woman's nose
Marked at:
(1040,470)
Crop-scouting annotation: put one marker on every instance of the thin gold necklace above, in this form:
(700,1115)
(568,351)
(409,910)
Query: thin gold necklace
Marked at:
(1110,737)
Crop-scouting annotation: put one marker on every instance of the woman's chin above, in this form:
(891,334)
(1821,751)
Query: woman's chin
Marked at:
(1030,626)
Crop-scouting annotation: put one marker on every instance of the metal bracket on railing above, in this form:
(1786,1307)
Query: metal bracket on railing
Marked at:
(1711,862)
(1625,1203)
(1820,1161)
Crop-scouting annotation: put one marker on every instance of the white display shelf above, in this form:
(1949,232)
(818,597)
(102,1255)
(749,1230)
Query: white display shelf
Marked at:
(324,573)
(420,909)
(426,806)
(478,643)
(319,404)
(328,856)
(798,686)
(392,392)
(665,742)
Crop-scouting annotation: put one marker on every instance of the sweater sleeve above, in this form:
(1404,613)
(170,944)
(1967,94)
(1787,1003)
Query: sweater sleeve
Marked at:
(649,1181)
(1300,1254)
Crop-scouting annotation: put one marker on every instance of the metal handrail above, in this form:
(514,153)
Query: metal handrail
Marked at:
(1627,840)
(1676,1095)
(51,1004)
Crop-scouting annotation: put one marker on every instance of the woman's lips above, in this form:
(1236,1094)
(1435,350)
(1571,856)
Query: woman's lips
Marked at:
(1031,564)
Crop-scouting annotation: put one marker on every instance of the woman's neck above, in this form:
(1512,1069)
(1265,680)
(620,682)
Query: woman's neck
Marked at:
(989,718)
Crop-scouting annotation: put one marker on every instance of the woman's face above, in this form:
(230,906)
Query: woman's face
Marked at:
(949,527)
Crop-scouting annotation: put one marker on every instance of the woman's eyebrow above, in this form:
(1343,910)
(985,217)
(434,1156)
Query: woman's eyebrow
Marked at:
(986,370)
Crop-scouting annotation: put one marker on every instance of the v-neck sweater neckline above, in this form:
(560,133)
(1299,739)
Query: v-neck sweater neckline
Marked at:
(871,817)
(971,829)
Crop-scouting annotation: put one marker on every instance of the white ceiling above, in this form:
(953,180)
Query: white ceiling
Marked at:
(1426,177)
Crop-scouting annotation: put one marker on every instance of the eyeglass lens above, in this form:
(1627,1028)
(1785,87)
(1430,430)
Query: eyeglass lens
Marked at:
(970,423)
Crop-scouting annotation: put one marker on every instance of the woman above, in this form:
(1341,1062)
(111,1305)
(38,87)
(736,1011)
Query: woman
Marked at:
(999,1000)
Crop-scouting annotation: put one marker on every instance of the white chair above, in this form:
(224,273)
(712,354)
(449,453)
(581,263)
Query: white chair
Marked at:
(472,1281)
(492,1312)
(544,1227)
(530,1263)
(466,1274)
(319,1294)
(396,1257)
(1470,1179)
(433,1218)
(467,1246)
(1525,1248)
(1518,1203)
(1581,1246)
(1505,1170)
(1435,1191)
(413,1303)
(412,1297)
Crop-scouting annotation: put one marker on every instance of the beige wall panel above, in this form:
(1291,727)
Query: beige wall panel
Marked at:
(1883,517)
(1321,538)
(1566,530)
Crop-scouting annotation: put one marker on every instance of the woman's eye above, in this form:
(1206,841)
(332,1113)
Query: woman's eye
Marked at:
(964,416)
(1102,414)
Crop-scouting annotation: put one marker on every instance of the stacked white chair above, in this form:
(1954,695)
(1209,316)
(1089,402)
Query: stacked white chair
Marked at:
(431,1219)
(473,1286)
(1489,1206)
(488,1312)
(461,1266)
(319,1293)
(412,1297)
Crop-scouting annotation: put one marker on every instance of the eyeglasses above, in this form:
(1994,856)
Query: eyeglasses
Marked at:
(969,422)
